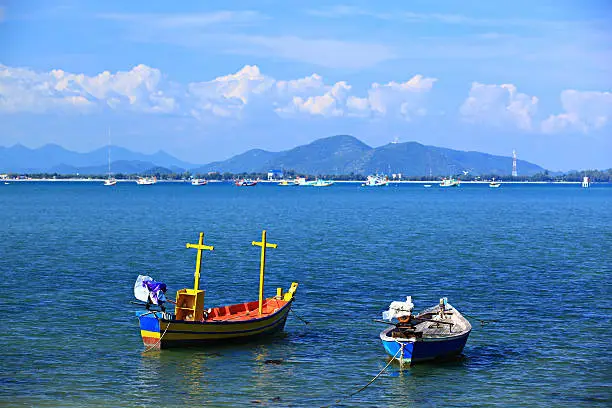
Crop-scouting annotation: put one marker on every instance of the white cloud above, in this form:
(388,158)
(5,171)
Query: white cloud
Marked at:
(24,90)
(184,20)
(331,103)
(300,86)
(227,95)
(403,99)
(499,105)
(584,112)
(143,89)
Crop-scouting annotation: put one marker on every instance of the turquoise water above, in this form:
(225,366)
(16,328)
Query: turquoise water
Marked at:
(537,258)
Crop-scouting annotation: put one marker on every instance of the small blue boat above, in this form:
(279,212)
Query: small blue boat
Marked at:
(437,333)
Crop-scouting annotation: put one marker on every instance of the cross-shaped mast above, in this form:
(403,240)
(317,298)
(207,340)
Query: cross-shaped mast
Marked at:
(263,244)
(200,247)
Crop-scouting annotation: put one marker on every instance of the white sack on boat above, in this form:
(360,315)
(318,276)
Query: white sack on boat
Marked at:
(140,291)
(399,309)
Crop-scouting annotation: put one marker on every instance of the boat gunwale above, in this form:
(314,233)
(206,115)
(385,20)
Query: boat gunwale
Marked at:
(243,331)
(385,337)
(228,322)
(431,338)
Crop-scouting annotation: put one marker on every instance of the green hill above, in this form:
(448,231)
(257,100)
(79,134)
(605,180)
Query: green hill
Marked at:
(346,154)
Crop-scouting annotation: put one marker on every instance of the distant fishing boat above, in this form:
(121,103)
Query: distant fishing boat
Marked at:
(146,181)
(287,183)
(494,184)
(450,182)
(245,182)
(110,181)
(436,333)
(586,182)
(302,181)
(192,325)
(199,182)
(322,183)
(426,185)
(376,181)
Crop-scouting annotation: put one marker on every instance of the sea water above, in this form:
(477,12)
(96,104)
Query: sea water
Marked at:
(534,261)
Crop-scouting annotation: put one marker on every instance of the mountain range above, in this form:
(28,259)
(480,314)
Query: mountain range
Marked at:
(346,154)
(52,158)
(341,154)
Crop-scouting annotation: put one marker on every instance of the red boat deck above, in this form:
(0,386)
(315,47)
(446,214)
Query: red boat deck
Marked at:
(245,311)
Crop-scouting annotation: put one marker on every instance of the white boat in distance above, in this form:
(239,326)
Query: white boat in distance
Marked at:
(199,182)
(494,184)
(322,183)
(146,181)
(450,182)
(376,181)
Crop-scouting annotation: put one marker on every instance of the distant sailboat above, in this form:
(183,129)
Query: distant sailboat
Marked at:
(430,177)
(110,181)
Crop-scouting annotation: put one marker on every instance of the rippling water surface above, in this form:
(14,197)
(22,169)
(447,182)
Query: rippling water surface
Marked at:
(536,258)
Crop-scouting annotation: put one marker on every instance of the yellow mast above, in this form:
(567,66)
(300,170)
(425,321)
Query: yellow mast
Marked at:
(200,247)
(263,244)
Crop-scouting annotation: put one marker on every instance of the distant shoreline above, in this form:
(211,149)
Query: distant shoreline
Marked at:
(435,182)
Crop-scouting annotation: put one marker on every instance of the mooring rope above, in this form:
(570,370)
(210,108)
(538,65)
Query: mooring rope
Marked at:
(298,316)
(482,321)
(160,338)
(401,349)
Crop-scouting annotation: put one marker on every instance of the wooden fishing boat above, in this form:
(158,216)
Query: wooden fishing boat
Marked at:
(199,182)
(288,183)
(322,183)
(437,333)
(376,181)
(146,181)
(192,325)
(246,183)
(450,182)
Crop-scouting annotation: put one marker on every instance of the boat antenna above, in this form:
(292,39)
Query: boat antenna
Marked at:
(200,247)
(263,244)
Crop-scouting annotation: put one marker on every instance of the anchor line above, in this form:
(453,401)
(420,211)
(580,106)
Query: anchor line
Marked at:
(160,338)
(376,376)
(482,321)
(298,316)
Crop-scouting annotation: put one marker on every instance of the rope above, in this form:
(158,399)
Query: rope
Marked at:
(298,316)
(376,376)
(160,338)
(482,321)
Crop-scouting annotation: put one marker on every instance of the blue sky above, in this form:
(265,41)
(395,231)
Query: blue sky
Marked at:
(206,80)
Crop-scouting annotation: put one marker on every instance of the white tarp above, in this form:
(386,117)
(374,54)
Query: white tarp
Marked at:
(141,292)
(399,309)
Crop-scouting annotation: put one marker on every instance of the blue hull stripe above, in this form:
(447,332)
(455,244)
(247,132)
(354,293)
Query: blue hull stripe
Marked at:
(149,323)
